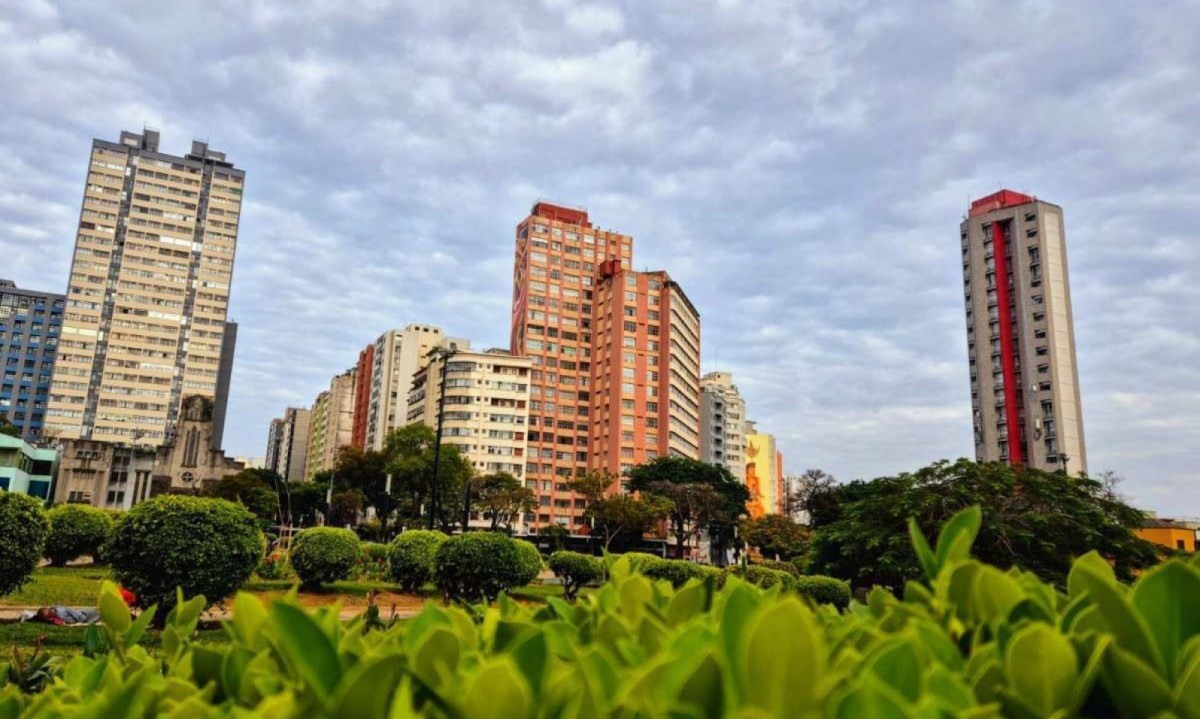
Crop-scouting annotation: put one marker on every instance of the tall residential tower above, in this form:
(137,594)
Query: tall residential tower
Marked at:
(723,423)
(30,322)
(148,296)
(1020,335)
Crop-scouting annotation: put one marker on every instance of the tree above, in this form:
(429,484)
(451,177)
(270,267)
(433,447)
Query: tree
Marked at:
(501,498)
(703,496)
(776,536)
(346,505)
(807,489)
(1032,519)
(410,453)
(250,490)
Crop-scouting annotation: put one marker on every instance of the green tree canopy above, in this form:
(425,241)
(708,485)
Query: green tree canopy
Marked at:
(776,536)
(703,496)
(250,488)
(1032,519)
(619,517)
(501,499)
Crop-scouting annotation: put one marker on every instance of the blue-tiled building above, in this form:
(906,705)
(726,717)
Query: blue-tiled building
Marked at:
(29,327)
(27,469)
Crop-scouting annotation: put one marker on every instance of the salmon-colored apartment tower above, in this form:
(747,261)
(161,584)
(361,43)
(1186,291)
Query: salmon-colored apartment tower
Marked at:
(615,357)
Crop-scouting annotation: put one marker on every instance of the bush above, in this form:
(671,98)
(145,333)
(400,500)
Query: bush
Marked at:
(824,590)
(638,560)
(531,562)
(323,555)
(477,565)
(372,563)
(761,576)
(76,530)
(410,558)
(967,640)
(575,570)
(275,566)
(676,571)
(207,547)
(23,531)
(779,565)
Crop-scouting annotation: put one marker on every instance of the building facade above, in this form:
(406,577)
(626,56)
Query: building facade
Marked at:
(396,357)
(645,378)
(148,295)
(723,424)
(1025,395)
(30,323)
(362,396)
(118,475)
(332,423)
(287,444)
(27,469)
(485,413)
(557,251)
(764,475)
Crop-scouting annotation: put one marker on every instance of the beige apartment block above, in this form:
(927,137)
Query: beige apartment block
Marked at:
(331,424)
(287,444)
(148,296)
(396,357)
(723,423)
(1020,334)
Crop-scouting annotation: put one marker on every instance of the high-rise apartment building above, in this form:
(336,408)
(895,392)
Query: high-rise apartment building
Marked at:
(486,408)
(362,396)
(645,379)
(557,250)
(148,296)
(30,323)
(395,358)
(1020,334)
(332,423)
(764,474)
(723,423)
(287,444)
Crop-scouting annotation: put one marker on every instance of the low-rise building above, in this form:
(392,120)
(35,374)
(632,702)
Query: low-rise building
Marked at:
(1175,534)
(25,468)
(118,475)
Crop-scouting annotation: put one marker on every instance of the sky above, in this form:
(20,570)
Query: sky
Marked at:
(801,168)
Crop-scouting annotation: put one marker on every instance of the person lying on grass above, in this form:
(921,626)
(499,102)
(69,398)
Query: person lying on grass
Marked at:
(67,616)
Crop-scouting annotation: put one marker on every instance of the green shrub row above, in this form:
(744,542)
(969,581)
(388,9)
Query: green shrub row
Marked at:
(970,640)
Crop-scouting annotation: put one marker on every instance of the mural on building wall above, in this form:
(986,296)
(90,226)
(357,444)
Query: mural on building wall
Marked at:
(761,477)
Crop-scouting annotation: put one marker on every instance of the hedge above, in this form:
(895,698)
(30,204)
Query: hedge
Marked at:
(824,590)
(761,576)
(324,555)
(780,566)
(575,570)
(23,531)
(530,560)
(478,565)
(676,571)
(969,640)
(206,547)
(77,530)
(410,558)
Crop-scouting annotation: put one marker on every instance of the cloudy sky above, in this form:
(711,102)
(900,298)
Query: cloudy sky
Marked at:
(800,167)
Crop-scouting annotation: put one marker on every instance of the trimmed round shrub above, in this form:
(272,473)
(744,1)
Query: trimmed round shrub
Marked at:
(77,530)
(410,558)
(323,555)
(761,576)
(23,530)
(824,590)
(477,565)
(531,561)
(575,570)
(638,560)
(785,567)
(202,545)
(676,571)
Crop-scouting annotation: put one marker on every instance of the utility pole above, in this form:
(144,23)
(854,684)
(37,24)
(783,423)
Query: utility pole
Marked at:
(445,354)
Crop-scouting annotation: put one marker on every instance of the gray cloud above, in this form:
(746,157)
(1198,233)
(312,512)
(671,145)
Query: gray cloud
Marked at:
(800,167)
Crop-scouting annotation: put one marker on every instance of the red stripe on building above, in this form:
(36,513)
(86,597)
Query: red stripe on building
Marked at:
(1007,351)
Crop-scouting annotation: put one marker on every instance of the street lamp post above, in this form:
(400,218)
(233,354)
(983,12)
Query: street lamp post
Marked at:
(437,443)
(1065,459)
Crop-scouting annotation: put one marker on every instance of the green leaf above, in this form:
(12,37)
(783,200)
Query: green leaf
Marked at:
(134,633)
(704,688)
(368,689)
(1168,598)
(957,536)
(1127,626)
(1187,688)
(925,556)
(306,649)
(113,610)
(498,690)
(783,659)
(1136,689)
(896,664)
(1041,668)
(874,700)
(436,655)
(249,617)
(1097,564)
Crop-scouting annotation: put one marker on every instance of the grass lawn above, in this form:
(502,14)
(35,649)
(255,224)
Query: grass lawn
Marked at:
(69,640)
(70,586)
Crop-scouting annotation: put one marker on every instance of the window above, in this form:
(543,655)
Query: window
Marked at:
(630,326)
